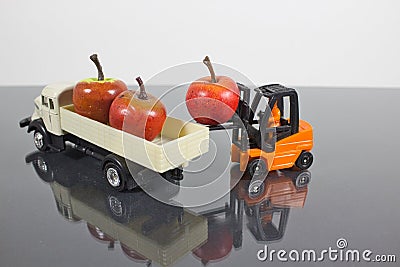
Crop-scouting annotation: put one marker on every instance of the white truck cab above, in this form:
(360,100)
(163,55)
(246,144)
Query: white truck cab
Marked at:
(47,105)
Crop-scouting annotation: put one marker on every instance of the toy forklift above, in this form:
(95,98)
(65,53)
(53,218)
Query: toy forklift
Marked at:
(271,141)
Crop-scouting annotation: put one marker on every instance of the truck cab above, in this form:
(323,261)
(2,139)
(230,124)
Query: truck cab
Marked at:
(47,105)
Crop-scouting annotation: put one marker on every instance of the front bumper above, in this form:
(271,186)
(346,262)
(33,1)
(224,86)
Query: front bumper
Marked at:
(25,122)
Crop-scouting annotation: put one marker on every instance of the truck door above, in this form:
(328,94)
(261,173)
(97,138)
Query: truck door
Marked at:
(46,112)
(46,117)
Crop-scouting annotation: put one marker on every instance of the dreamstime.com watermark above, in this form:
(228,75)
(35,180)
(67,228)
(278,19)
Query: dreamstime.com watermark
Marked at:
(338,254)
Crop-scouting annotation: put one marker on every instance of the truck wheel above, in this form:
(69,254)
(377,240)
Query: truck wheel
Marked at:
(304,161)
(257,167)
(174,175)
(115,176)
(117,208)
(41,140)
(42,169)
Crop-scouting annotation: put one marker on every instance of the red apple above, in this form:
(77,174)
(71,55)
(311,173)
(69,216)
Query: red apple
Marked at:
(213,99)
(138,113)
(92,97)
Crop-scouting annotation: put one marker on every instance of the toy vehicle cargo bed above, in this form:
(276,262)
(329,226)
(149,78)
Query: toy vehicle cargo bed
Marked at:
(178,143)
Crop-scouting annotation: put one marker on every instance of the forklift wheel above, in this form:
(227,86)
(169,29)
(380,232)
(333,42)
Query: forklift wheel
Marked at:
(256,189)
(304,161)
(249,211)
(257,167)
(302,179)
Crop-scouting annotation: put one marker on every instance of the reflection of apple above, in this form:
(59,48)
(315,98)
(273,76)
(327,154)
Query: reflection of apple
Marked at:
(98,234)
(92,97)
(138,113)
(133,254)
(219,242)
(213,99)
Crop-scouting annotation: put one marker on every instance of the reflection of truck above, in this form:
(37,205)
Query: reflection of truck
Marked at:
(144,226)
(54,122)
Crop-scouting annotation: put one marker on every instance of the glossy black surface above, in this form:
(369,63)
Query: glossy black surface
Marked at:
(55,210)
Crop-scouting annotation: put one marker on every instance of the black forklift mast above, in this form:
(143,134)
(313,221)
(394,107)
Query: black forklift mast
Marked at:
(245,135)
(267,231)
(262,230)
(274,93)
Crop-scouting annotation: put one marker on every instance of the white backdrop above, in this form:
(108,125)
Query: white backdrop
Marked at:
(303,43)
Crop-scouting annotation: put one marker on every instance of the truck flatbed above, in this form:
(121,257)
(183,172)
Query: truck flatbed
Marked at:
(178,143)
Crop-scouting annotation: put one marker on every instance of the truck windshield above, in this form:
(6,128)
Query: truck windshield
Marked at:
(44,101)
(51,102)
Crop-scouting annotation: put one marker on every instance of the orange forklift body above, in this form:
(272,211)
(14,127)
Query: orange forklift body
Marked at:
(287,150)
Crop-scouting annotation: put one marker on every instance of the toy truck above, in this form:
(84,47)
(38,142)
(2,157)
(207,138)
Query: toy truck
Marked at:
(54,123)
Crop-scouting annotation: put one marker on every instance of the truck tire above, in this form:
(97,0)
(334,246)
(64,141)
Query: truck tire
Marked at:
(42,169)
(117,208)
(304,160)
(41,137)
(115,175)
(41,140)
(174,175)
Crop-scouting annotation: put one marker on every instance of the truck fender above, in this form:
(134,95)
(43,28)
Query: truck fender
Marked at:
(120,161)
(37,125)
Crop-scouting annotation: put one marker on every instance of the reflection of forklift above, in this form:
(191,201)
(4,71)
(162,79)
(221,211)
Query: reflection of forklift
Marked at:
(268,140)
(267,214)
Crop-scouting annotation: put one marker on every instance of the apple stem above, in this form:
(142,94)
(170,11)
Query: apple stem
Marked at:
(96,61)
(142,93)
(207,62)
